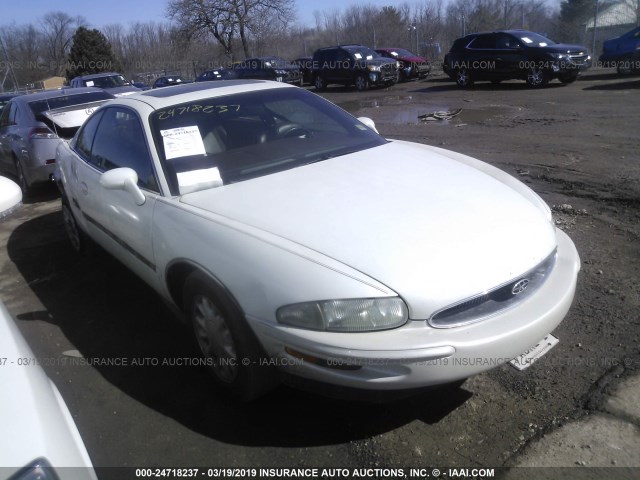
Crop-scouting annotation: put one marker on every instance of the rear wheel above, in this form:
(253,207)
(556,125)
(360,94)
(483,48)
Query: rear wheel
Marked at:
(232,352)
(22,179)
(77,238)
(463,78)
(624,67)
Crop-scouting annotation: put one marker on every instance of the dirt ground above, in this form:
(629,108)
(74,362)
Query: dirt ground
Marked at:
(577,145)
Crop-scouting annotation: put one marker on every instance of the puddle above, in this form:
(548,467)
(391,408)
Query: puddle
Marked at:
(404,110)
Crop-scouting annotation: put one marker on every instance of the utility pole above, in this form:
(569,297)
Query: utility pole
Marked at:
(595,28)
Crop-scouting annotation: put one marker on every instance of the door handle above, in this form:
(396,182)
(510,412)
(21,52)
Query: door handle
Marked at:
(84,188)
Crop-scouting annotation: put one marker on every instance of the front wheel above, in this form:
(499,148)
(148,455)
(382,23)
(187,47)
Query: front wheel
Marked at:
(320,83)
(537,77)
(568,78)
(232,353)
(362,83)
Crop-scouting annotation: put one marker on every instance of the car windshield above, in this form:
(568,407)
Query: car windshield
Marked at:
(275,62)
(109,81)
(362,53)
(531,39)
(222,140)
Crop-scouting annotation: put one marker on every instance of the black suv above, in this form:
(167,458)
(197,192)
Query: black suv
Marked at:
(513,54)
(352,65)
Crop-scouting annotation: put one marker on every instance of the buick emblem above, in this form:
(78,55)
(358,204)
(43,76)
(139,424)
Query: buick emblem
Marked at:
(520,286)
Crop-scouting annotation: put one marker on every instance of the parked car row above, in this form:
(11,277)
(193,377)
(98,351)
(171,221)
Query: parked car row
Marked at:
(348,65)
(31,126)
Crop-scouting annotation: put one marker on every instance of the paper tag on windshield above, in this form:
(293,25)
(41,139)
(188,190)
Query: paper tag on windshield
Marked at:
(182,142)
(199,180)
(358,56)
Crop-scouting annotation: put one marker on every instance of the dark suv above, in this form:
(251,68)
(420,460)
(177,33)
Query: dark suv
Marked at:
(513,54)
(352,65)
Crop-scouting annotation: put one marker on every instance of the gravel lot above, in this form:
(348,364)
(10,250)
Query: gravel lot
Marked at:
(577,145)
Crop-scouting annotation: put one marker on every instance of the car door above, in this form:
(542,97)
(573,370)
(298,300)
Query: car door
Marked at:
(508,57)
(124,227)
(481,57)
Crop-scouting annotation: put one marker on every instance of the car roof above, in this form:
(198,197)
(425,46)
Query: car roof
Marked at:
(163,97)
(59,93)
(349,45)
(97,75)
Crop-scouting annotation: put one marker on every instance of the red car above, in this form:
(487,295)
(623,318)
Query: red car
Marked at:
(411,65)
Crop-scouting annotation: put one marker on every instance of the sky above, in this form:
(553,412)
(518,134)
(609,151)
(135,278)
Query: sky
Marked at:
(124,12)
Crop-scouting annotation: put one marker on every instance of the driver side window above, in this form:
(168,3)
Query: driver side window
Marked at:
(120,142)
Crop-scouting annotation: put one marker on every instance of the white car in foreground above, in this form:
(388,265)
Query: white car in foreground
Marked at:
(292,236)
(39,438)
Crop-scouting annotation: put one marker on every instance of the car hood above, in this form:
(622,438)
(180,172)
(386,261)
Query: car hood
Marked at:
(376,61)
(430,227)
(413,59)
(566,48)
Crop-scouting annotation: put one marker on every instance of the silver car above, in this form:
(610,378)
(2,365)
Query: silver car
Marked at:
(32,126)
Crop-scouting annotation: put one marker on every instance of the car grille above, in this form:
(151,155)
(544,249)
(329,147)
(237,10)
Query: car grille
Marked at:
(579,58)
(388,70)
(292,76)
(500,298)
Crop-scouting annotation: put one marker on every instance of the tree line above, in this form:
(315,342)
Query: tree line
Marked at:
(202,34)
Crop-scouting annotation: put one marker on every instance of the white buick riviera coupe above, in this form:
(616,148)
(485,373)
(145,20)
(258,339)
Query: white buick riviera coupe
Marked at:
(295,240)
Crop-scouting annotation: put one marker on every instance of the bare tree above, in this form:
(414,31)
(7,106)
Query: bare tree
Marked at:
(224,19)
(57,32)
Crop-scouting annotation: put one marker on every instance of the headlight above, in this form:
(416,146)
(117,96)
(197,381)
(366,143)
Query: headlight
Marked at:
(373,68)
(354,315)
(560,56)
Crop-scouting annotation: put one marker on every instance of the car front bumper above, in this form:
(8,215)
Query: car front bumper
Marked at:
(417,355)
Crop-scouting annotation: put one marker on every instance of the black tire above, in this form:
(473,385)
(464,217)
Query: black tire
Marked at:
(463,78)
(537,77)
(568,78)
(361,83)
(22,179)
(624,68)
(320,83)
(225,340)
(79,241)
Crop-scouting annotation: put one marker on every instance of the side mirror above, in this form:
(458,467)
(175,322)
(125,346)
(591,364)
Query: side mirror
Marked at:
(369,123)
(123,179)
